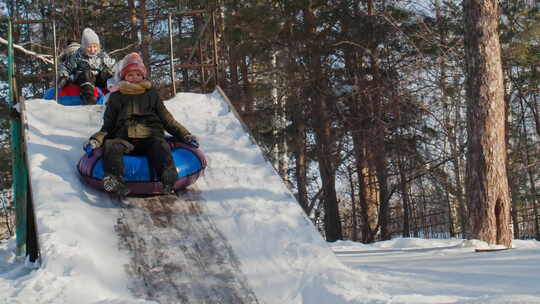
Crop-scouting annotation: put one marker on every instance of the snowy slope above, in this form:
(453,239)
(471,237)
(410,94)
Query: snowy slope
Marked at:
(282,255)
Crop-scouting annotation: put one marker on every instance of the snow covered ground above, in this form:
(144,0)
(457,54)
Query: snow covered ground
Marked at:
(282,255)
(447,271)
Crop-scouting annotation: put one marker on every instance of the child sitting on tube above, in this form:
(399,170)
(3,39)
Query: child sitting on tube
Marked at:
(134,123)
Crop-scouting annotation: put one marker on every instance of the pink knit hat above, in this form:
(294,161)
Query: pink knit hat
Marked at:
(132,62)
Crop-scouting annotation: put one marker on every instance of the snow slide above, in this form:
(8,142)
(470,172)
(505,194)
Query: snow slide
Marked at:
(268,251)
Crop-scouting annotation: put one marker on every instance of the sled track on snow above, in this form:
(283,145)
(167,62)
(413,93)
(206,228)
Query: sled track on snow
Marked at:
(177,255)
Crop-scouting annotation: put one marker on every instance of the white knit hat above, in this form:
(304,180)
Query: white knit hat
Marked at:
(89,37)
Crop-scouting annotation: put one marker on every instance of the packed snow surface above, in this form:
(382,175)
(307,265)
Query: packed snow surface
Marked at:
(412,270)
(283,257)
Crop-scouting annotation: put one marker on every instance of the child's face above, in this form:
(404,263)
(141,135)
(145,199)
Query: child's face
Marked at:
(92,49)
(134,76)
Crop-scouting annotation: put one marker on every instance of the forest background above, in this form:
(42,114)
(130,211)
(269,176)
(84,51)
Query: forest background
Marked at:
(360,105)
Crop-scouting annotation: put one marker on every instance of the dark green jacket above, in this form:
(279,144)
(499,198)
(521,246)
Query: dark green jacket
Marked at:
(138,116)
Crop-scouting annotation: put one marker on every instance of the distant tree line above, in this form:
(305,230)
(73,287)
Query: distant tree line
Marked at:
(361,105)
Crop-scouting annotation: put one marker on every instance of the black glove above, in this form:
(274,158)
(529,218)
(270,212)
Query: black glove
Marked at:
(62,82)
(105,74)
(191,140)
(86,76)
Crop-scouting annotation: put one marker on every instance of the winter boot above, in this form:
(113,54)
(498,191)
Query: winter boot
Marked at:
(115,185)
(87,93)
(168,178)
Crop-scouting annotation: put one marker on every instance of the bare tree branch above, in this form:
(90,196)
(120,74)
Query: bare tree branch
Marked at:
(123,49)
(49,58)
(45,58)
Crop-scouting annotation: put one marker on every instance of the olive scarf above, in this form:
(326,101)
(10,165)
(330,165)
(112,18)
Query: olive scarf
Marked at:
(131,88)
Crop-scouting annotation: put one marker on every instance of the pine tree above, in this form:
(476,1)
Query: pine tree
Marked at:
(487,184)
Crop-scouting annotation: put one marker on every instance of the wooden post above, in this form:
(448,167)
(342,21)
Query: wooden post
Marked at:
(55,63)
(215,48)
(171,55)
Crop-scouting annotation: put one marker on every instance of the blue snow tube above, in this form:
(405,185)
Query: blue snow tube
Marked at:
(190,163)
(70,95)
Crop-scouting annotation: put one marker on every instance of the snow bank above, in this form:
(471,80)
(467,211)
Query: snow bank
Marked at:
(413,270)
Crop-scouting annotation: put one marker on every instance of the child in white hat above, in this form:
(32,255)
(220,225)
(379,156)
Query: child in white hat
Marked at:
(88,67)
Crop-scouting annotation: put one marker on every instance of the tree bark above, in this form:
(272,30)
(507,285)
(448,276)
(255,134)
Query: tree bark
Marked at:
(358,125)
(376,146)
(404,188)
(300,154)
(322,128)
(450,123)
(145,35)
(367,188)
(456,141)
(487,184)
(133,20)
(384,199)
(532,184)
(354,217)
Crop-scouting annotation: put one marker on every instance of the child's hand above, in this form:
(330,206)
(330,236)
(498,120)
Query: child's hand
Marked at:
(191,140)
(106,73)
(90,145)
(62,82)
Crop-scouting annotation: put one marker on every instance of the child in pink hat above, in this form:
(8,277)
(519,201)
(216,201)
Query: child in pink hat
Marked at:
(135,122)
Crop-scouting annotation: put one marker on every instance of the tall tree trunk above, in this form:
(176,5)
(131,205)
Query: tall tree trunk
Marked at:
(457,164)
(233,70)
(536,203)
(384,198)
(298,121)
(279,147)
(327,171)
(368,191)
(247,89)
(534,195)
(319,98)
(354,216)
(145,35)
(357,124)
(449,124)
(487,183)
(231,52)
(532,105)
(405,197)
(78,19)
(133,20)
(530,174)
(376,146)
(367,187)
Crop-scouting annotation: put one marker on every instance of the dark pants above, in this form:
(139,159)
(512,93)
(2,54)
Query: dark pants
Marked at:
(100,80)
(87,82)
(157,150)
